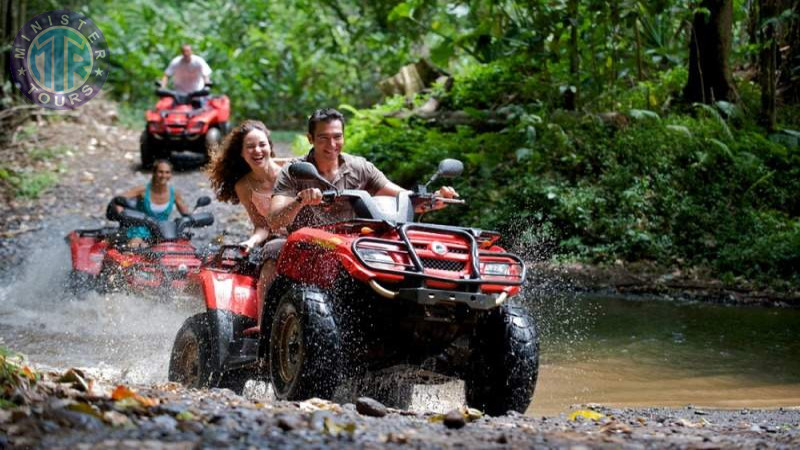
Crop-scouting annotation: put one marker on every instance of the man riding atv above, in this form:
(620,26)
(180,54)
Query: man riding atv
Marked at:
(189,72)
(297,203)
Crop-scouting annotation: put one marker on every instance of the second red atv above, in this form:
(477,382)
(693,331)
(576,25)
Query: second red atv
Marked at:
(366,294)
(101,259)
(193,122)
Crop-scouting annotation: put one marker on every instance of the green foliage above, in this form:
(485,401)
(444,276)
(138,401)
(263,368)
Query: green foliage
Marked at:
(673,188)
(277,61)
(31,184)
(15,376)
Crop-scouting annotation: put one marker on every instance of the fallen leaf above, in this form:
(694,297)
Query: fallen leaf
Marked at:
(124,395)
(185,415)
(334,428)
(86,408)
(585,414)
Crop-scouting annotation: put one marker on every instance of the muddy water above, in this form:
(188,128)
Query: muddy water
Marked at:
(664,353)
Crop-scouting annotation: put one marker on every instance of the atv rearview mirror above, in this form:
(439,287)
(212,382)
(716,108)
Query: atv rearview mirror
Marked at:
(448,168)
(306,171)
(203,201)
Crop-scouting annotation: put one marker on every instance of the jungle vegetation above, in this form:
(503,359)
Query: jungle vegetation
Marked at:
(663,131)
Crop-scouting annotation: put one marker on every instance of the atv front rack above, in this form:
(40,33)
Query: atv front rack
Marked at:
(473,273)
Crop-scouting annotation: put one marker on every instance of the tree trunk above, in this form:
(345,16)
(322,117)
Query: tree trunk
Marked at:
(709,51)
(571,93)
(790,65)
(12,17)
(638,36)
(768,63)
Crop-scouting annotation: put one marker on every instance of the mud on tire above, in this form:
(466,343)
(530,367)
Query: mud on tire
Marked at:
(148,150)
(504,363)
(189,362)
(304,346)
(194,355)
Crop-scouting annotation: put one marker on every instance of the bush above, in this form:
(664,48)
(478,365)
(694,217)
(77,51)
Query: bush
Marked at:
(682,189)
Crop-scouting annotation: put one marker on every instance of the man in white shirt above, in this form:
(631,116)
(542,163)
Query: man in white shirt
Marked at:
(189,72)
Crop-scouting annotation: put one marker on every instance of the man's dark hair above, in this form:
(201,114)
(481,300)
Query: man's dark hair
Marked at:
(323,115)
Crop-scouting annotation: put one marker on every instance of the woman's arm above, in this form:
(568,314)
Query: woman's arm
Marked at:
(182,207)
(137,192)
(260,228)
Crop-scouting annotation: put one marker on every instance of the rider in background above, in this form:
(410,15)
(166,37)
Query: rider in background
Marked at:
(189,72)
(157,199)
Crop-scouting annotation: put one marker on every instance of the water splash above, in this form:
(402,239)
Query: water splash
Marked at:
(113,336)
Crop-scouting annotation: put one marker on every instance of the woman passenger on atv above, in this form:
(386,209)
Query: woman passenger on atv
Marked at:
(244,171)
(156,199)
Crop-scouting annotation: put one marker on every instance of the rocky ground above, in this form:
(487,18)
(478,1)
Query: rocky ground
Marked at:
(96,158)
(66,410)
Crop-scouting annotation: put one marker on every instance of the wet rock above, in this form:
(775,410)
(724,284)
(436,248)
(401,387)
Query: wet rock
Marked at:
(369,407)
(173,408)
(165,422)
(74,419)
(287,422)
(317,421)
(454,420)
(191,427)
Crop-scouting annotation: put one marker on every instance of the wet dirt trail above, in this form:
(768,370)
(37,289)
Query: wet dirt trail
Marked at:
(118,336)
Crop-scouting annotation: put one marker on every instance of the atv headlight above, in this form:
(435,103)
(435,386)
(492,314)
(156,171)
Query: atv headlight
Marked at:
(378,259)
(143,275)
(155,127)
(497,269)
(197,127)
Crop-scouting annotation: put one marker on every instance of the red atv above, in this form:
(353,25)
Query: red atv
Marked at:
(194,122)
(101,259)
(363,295)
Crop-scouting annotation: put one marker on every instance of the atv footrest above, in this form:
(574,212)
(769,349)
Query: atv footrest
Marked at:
(435,297)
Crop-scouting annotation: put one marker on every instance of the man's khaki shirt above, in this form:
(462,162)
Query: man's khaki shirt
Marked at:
(355,172)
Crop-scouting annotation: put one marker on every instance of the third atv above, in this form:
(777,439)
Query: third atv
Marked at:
(194,122)
(366,294)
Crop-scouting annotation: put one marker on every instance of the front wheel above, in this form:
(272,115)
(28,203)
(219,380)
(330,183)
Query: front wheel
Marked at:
(189,363)
(304,346)
(195,355)
(148,151)
(504,363)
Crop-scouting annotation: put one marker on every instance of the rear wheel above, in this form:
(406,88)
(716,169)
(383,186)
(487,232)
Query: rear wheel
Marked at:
(504,363)
(78,283)
(304,346)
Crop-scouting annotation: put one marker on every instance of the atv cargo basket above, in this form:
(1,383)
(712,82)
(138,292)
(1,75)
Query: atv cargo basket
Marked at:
(463,263)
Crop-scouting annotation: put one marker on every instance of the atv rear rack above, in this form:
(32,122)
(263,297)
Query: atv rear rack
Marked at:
(416,266)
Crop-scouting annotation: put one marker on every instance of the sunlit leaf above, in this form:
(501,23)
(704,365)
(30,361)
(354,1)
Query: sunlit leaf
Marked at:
(585,414)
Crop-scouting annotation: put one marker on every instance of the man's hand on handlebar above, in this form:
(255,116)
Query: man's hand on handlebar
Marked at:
(439,199)
(309,197)
(249,244)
